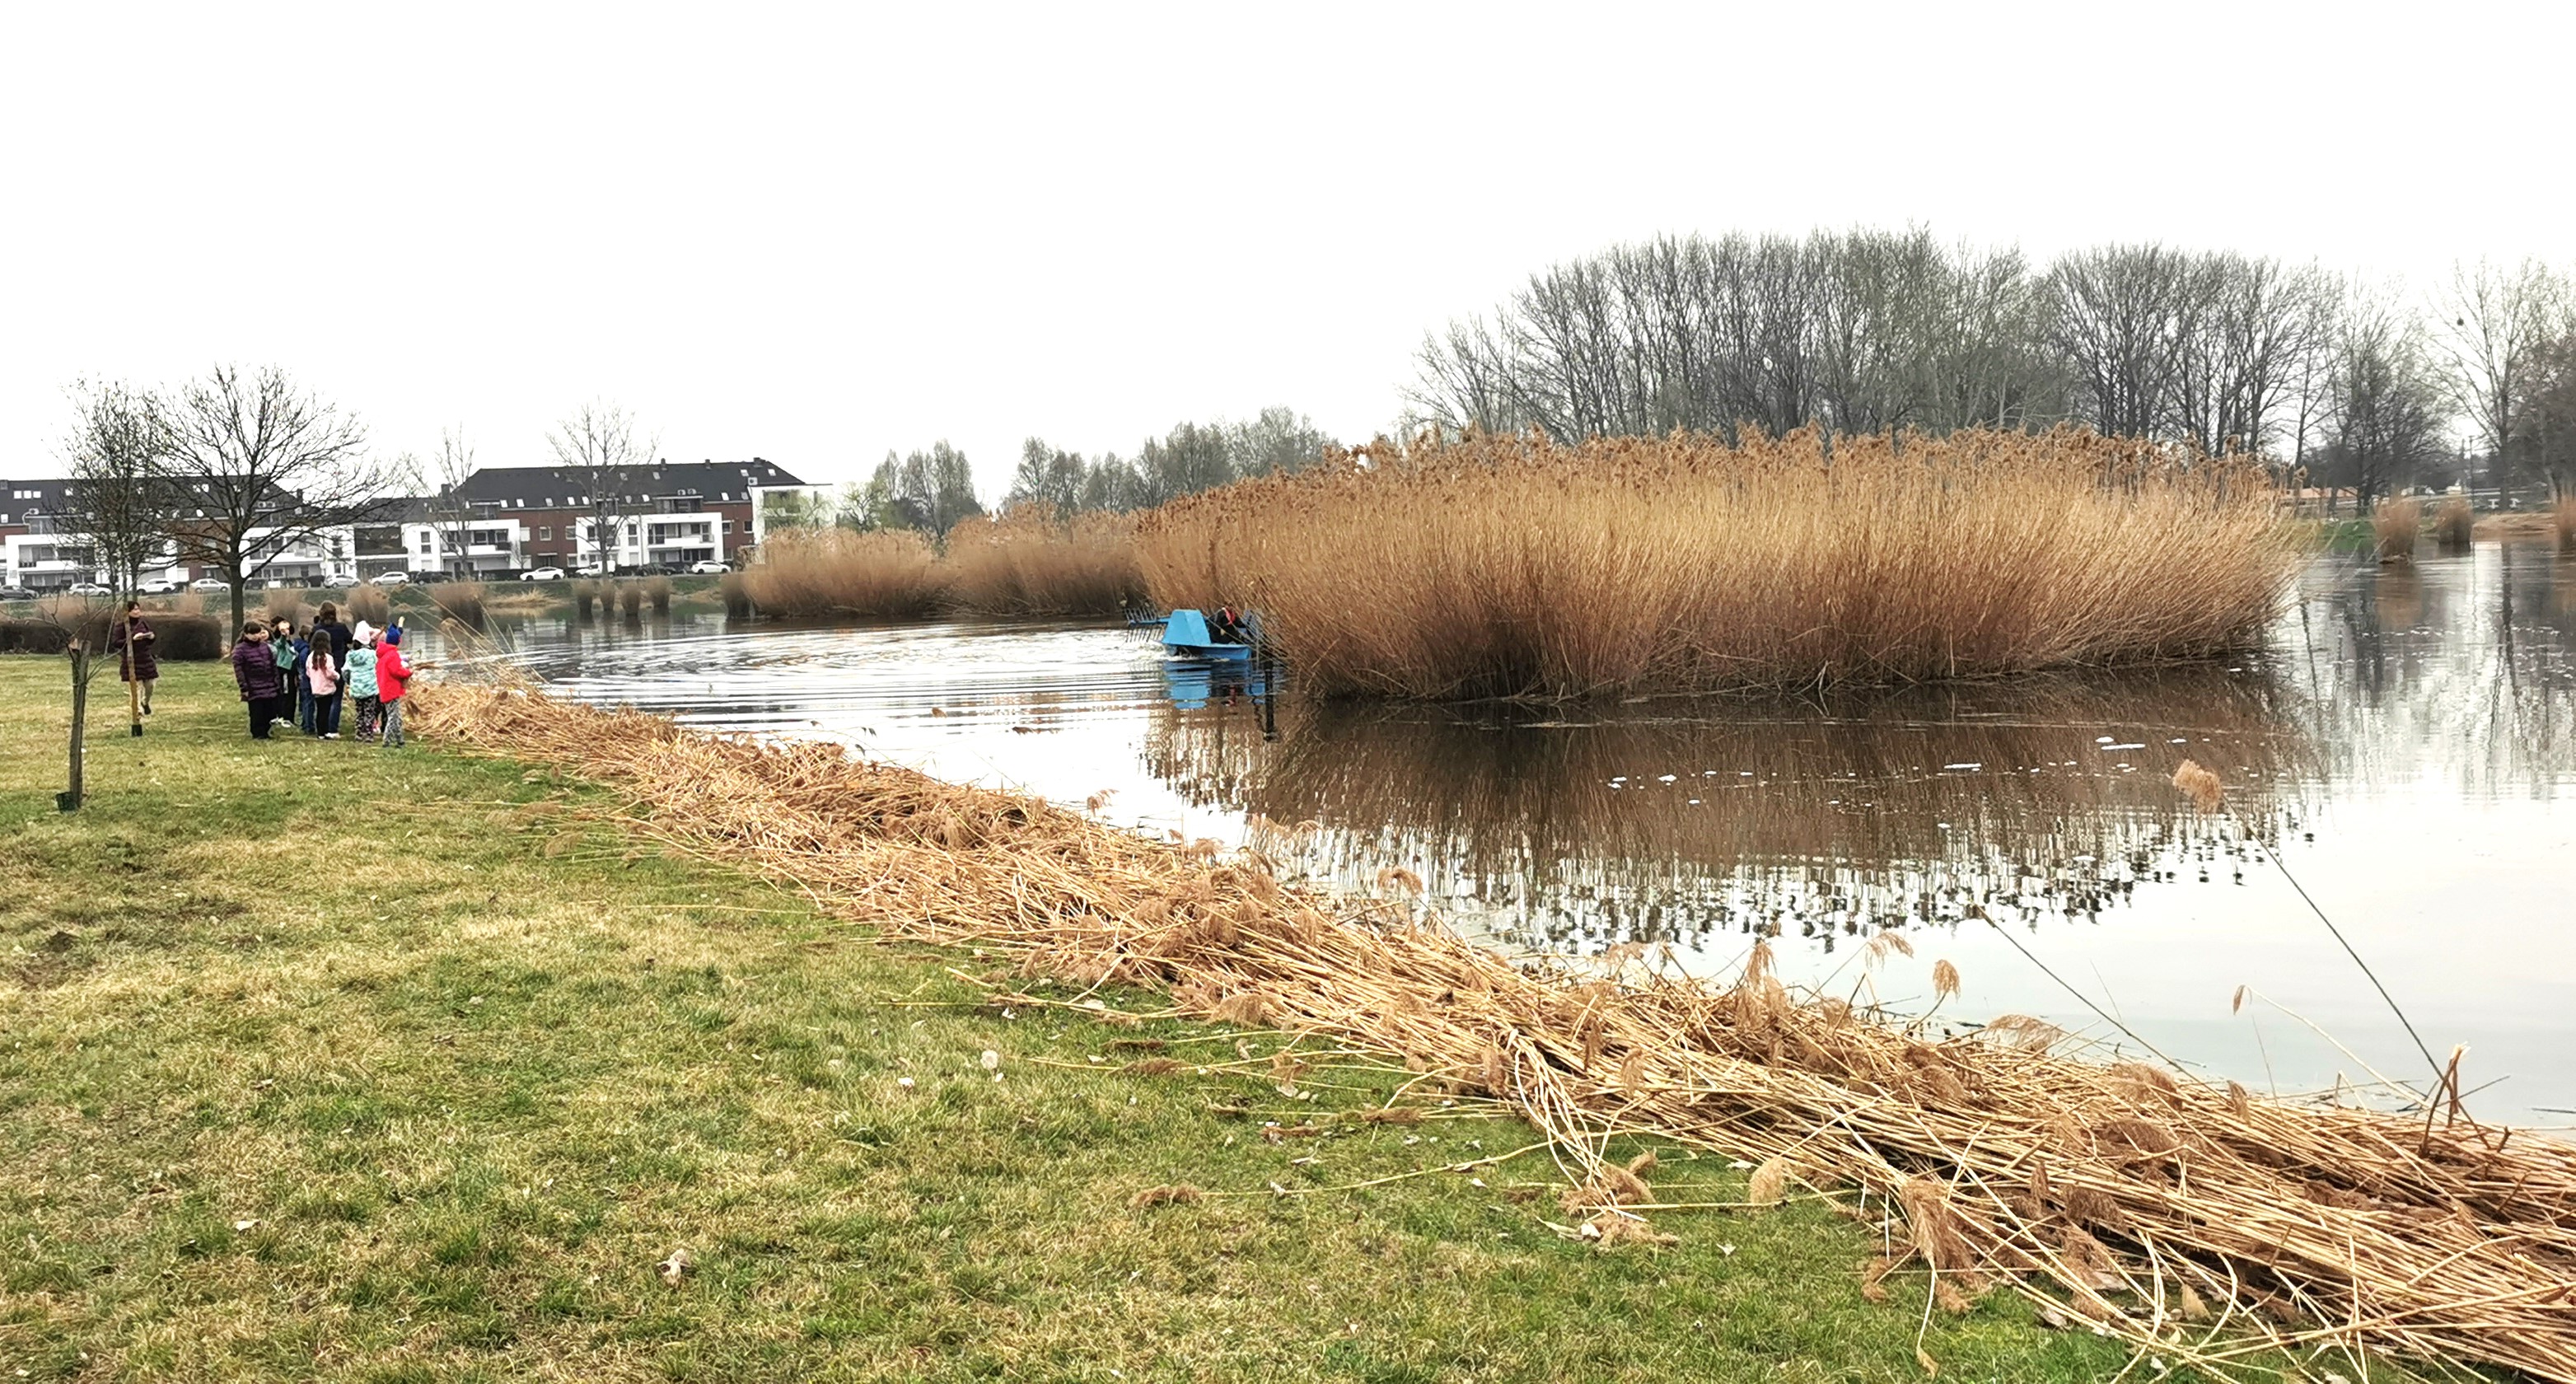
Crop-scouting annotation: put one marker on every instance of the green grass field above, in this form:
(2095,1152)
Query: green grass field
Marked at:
(321,1064)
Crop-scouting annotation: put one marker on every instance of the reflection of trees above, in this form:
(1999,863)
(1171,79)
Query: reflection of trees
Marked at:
(1677,818)
(2455,669)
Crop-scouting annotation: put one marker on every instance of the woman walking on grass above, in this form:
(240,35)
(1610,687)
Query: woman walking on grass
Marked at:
(255,672)
(135,662)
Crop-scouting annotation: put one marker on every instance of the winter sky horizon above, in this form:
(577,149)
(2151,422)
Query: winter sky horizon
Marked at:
(820,234)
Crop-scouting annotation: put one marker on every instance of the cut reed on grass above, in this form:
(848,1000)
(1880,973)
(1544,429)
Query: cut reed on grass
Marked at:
(2395,525)
(2124,1193)
(2454,524)
(1513,566)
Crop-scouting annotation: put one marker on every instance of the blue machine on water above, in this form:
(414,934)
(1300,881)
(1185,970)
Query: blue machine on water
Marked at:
(1187,633)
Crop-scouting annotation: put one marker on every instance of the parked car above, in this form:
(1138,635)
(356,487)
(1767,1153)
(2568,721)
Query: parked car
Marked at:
(340,581)
(544,574)
(16,593)
(162,586)
(708,568)
(593,570)
(209,584)
(88,588)
(395,577)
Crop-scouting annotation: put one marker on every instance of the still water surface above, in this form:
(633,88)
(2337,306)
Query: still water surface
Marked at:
(2404,753)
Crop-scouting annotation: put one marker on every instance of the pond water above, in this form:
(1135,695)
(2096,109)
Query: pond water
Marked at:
(2402,760)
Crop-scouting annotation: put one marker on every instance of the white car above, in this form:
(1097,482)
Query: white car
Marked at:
(161,586)
(88,588)
(544,574)
(209,584)
(394,578)
(339,581)
(592,571)
(708,568)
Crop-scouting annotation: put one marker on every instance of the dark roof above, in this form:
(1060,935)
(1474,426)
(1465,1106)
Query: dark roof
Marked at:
(45,495)
(553,487)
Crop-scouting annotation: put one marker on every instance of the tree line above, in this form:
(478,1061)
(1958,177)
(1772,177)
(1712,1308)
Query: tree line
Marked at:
(930,489)
(2344,378)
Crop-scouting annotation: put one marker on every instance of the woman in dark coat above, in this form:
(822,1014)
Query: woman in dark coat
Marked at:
(255,671)
(134,659)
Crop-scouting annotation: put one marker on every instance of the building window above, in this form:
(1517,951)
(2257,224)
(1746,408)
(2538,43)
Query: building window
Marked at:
(728,526)
(545,534)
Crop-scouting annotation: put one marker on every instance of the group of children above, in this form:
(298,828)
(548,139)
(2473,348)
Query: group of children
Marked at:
(300,679)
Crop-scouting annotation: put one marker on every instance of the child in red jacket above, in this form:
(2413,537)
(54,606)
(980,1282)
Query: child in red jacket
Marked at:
(393,677)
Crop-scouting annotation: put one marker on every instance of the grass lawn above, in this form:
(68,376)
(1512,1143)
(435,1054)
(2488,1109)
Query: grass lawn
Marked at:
(317,1062)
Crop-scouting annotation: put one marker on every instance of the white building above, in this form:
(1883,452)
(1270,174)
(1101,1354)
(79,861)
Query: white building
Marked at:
(492,547)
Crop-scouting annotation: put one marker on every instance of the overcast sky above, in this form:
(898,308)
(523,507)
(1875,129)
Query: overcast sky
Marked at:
(817,233)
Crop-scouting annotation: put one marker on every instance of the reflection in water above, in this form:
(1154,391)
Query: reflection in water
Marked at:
(1672,820)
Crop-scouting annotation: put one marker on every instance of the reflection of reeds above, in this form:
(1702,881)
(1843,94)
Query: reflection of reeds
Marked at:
(1777,801)
(2009,1163)
(2395,525)
(1511,566)
(584,593)
(2453,524)
(735,589)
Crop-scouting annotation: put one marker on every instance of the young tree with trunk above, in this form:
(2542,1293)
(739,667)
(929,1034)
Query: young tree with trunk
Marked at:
(256,466)
(2385,418)
(440,482)
(600,446)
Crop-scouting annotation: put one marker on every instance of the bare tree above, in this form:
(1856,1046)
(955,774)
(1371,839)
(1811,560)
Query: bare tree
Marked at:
(258,466)
(2545,419)
(441,482)
(599,445)
(2385,418)
(119,498)
(2494,320)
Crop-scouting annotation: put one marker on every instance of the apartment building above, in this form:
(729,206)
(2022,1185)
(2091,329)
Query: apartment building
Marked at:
(512,518)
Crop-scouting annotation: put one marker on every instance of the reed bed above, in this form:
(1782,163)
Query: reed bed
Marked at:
(889,574)
(585,594)
(2453,524)
(2562,520)
(657,593)
(2193,1219)
(1025,563)
(369,603)
(2395,525)
(461,601)
(734,589)
(1513,566)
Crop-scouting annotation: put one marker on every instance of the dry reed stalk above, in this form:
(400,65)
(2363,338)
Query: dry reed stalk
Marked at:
(736,595)
(2562,519)
(2200,785)
(2395,525)
(1514,566)
(815,573)
(369,603)
(2453,524)
(2121,1188)
(583,594)
(658,591)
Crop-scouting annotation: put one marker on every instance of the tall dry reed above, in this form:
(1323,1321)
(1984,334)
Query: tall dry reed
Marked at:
(1517,567)
(1029,563)
(2395,525)
(658,593)
(2562,519)
(630,599)
(736,594)
(584,594)
(461,601)
(2453,524)
(889,574)
(369,603)
(288,606)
